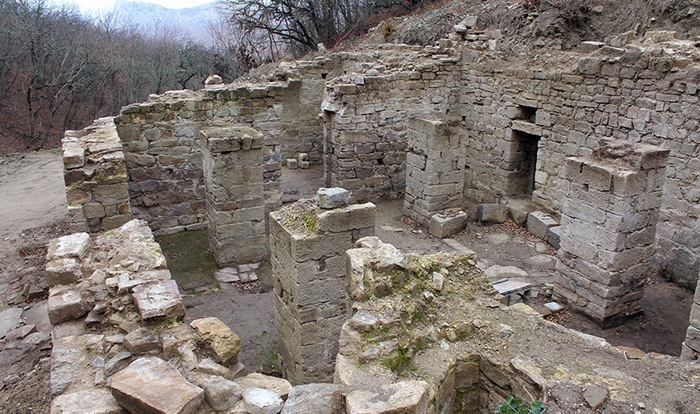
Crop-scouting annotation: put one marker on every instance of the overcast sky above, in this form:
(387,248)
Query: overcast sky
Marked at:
(106,5)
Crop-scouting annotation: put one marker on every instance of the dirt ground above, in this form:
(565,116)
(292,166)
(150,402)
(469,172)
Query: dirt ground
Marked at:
(33,208)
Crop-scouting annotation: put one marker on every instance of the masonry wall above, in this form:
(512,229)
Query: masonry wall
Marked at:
(368,114)
(632,94)
(95,178)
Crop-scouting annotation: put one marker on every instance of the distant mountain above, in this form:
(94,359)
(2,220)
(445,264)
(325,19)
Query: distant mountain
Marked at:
(191,22)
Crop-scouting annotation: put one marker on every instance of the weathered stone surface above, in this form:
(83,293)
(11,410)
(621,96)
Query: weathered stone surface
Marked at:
(262,401)
(492,213)
(141,340)
(405,397)
(499,272)
(218,339)
(65,305)
(160,299)
(117,363)
(539,223)
(63,271)
(151,385)
(20,332)
(9,319)
(595,395)
(442,226)
(73,245)
(91,401)
(314,398)
(329,198)
(279,386)
(220,393)
(69,356)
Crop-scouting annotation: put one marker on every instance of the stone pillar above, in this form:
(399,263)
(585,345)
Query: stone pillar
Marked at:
(608,227)
(434,169)
(233,178)
(95,176)
(308,241)
(690,349)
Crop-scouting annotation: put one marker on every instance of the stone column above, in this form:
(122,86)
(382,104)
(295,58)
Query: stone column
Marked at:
(434,169)
(233,178)
(308,241)
(690,349)
(608,227)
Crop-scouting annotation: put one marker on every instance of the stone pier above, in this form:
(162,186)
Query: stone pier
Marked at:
(434,169)
(308,241)
(233,176)
(608,228)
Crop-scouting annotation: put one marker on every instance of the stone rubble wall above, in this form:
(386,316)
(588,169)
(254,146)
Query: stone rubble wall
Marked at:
(608,228)
(436,320)
(307,246)
(96,178)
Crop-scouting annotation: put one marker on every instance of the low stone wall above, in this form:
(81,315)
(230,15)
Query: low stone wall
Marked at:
(96,178)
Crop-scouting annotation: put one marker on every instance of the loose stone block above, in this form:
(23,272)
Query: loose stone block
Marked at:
(492,213)
(292,163)
(73,245)
(279,386)
(330,198)
(141,340)
(262,401)
(63,271)
(151,385)
(220,393)
(554,236)
(442,226)
(406,397)
(314,398)
(218,339)
(539,223)
(160,299)
(65,305)
(91,401)
(9,320)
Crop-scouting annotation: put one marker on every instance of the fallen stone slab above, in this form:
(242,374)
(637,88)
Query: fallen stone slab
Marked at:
(218,339)
(314,398)
(443,226)
(492,213)
(227,275)
(220,393)
(279,386)
(262,401)
(500,272)
(65,304)
(92,401)
(151,385)
(9,320)
(20,332)
(160,299)
(141,340)
(539,223)
(405,397)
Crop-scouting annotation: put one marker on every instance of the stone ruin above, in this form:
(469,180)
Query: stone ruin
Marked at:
(598,158)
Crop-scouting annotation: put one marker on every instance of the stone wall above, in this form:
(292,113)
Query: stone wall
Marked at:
(96,178)
(368,113)
(635,93)
(690,349)
(308,241)
(608,227)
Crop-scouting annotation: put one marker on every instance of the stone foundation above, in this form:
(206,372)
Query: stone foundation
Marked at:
(690,349)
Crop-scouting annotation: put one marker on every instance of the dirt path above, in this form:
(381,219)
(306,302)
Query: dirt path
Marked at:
(33,210)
